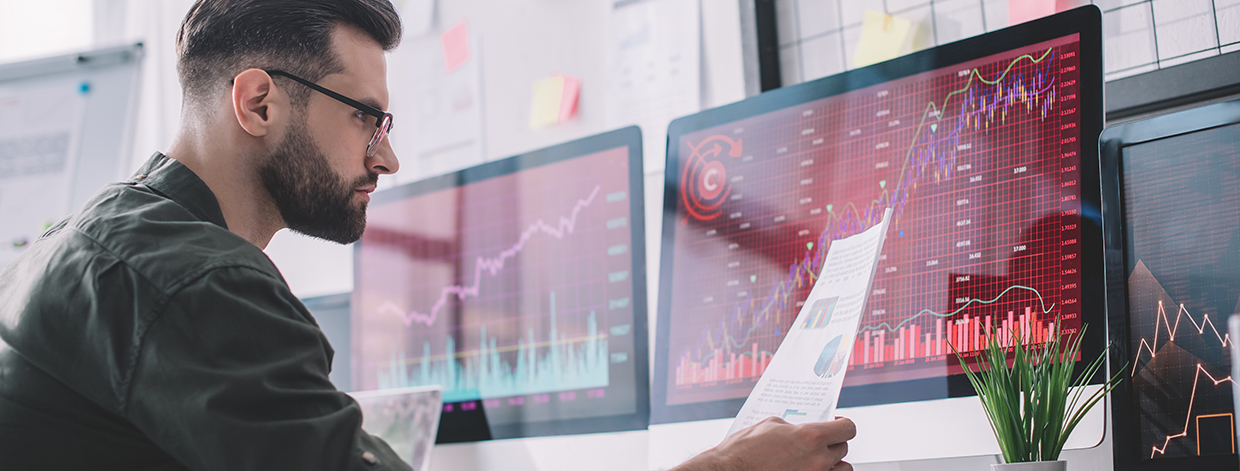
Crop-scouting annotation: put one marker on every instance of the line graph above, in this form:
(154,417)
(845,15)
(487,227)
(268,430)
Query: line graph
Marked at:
(873,345)
(1018,90)
(556,363)
(1169,353)
(492,265)
(1044,308)
(960,109)
(1181,246)
(1161,319)
(852,220)
(1156,450)
(511,285)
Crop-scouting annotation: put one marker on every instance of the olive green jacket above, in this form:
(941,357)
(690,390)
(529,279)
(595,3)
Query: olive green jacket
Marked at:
(141,334)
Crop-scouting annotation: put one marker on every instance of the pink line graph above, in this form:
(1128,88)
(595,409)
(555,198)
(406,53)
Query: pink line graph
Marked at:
(1224,339)
(491,265)
(1189,414)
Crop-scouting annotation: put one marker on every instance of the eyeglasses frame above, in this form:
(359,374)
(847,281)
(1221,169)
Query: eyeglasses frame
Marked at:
(383,120)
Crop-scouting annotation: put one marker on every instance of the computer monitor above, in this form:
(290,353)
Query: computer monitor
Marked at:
(518,286)
(1171,208)
(332,314)
(985,149)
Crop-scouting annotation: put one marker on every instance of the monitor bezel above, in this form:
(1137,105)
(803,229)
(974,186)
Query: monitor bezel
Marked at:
(628,136)
(1085,21)
(1113,142)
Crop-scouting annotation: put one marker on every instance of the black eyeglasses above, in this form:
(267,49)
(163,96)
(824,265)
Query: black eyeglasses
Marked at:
(383,121)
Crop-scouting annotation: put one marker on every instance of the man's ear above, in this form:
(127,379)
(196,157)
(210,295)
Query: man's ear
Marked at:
(256,103)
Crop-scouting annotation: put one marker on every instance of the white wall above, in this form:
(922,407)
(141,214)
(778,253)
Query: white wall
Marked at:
(25,27)
(519,41)
(817,37)
(522,41)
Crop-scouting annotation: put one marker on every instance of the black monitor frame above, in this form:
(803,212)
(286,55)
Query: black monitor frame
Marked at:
(474,426)
(331,312)
(1085,21)
(1113,142)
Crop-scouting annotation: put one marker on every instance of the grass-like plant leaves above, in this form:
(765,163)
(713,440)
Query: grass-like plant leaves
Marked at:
(1033,404)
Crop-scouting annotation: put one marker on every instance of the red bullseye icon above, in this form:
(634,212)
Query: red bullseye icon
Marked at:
(704,179)
(713,178)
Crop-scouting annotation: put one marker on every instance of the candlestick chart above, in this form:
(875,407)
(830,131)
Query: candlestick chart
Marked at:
(977,161)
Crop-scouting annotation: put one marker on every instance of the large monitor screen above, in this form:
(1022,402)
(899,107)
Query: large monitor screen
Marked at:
(518,286)
(985,152)
(1173,238)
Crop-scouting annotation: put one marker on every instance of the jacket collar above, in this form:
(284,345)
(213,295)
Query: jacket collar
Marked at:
(178,183)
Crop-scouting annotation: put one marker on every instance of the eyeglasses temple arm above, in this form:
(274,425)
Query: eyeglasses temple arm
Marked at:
(370,110)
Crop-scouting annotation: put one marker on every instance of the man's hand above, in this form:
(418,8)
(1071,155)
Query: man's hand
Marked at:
(775,444)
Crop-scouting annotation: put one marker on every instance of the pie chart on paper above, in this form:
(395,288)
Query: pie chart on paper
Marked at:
(828,361)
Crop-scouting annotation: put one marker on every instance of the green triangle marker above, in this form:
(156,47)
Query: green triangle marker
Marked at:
(882,183)
(934,127)
(829,206)
(753,278)
(809,246)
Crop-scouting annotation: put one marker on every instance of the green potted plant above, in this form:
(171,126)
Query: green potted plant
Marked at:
(1033,404)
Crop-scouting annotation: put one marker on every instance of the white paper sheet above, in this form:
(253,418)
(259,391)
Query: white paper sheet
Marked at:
(39,133)
(655,69)
(439,128)
(803,380)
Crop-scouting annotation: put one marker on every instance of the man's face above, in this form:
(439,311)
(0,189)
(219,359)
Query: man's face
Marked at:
(319,176)
(311,196)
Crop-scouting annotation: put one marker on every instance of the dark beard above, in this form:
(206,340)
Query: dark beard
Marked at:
(311,198)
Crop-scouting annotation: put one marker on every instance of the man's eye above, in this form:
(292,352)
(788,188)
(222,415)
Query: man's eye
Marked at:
(360,115)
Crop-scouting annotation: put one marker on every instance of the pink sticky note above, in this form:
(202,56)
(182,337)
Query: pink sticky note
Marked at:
(455,46)
(568,101)
(1020,11)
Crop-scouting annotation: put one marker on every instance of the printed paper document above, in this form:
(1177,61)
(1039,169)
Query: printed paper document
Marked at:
(802,382)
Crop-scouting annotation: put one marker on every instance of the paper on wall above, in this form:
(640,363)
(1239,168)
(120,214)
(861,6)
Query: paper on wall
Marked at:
(803,380)
(39,133)
(439,128)
(654,69)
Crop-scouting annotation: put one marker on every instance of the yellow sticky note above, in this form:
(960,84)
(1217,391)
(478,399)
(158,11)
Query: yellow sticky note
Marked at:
(545,106)
(882,37)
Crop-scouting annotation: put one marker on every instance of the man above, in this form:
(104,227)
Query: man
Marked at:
(149,330)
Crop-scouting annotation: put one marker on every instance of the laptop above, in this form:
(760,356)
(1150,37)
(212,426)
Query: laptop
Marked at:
(406,418)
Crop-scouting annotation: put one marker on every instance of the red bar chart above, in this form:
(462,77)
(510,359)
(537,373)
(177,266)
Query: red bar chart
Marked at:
(747,365)
(966,334)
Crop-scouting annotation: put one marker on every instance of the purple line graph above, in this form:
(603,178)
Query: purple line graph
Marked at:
(982,101)
(491,266)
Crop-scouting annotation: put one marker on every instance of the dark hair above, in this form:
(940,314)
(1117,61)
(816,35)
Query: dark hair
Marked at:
(220,38)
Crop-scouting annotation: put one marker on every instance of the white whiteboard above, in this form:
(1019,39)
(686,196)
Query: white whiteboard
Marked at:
(66,125)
